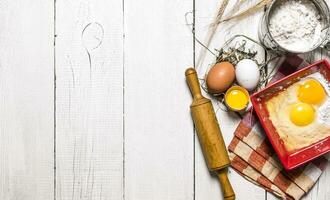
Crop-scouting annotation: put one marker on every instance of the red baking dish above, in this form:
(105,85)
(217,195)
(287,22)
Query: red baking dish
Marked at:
(293,159)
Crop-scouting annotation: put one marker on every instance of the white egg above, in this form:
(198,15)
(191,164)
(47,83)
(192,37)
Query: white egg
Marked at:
(247,74)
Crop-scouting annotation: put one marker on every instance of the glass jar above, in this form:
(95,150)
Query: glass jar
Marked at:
(270,43)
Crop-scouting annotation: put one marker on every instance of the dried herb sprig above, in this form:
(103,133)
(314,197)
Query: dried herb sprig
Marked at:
(235,54)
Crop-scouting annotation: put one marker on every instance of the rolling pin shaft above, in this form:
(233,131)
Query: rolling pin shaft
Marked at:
(209,134)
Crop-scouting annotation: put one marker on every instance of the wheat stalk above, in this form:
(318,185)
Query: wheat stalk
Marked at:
(211,32)
(248,11)
(218,19)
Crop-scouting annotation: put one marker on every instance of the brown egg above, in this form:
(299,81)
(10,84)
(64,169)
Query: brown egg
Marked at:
(220,77)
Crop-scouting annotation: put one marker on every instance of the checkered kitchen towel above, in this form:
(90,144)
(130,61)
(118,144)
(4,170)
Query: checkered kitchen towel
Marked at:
(253,157)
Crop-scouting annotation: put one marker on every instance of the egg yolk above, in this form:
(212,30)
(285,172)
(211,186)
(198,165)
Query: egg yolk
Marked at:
(237,99)
(302,114)
(311,92)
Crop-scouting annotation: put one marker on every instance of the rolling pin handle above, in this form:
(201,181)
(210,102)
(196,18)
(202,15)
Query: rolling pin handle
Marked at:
(227,190)
(192,79)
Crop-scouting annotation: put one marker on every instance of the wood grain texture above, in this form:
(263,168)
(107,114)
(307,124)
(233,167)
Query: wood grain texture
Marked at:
(321,190)
(206,186)
(119,117)
(89,100)
(158,126)
(26,102)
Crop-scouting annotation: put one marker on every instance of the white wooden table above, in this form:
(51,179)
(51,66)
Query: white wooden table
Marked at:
(94,104)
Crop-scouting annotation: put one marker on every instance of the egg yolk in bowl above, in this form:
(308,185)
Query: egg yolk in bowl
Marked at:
(311,92)
(302,114)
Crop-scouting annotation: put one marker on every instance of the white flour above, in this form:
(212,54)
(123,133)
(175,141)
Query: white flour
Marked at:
(324,110)
(296,25)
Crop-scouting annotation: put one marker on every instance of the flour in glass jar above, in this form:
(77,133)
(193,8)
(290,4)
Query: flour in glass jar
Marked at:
(296,25)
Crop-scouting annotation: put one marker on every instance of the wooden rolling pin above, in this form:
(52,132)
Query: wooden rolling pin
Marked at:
(209,134)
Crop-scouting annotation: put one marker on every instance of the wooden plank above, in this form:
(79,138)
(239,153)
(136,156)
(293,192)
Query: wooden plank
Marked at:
(208,187)
(89,94)
(158,126)
(321,190)
(26,103)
